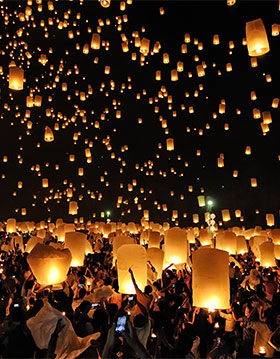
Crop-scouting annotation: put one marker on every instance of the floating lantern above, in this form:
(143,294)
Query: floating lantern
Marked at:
(73,208)
(76,243)
(225,215)
(204,237)
(210,279)
(176,246)
(270,219)
(11,226)
(170,144)
(256,37)
(95,42)
(16,77)
(48,136)
(32,243)
(241,245)
(275,235)
(267,256)
(131,256)
(105,3)
(49,265)
(118,242)
(154,239)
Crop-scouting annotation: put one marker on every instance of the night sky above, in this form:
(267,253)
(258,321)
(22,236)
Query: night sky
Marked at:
(162,177)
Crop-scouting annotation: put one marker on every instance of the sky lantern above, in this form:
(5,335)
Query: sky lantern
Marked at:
(131,256)
(156,256)
(241,245)
(76,243)
(267,255)
(225,215)
(105,3)
(154,239)
(275,235)
(95,41)
(176,246)
(16,77)
(11,226)
(49,265)
(277,251)
(73,208)
(32,243)
(210,279)
(256,37)
(270,219)
(170,144)
(119,241)
(204,237)
(48,136)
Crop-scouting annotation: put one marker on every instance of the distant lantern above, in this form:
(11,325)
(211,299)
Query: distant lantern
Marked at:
(200,71)
(144,46)
(225,215)
(201,201)
(270,219)
(95,42)
(16,77)
(170,144)
(176,246)
(174,75)
(131,256)
(195,218)
(241,245)
(73,208)
(267,256)
(254,182)
(76,243)
(216,39)
(155,256)
(45,183)
(154,239)
(49,265)
(210,279)
(105,3)
(204,237)
(11,226)
(48,136)
(256,37)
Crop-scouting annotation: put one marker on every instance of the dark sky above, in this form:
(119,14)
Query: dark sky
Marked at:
(201,20)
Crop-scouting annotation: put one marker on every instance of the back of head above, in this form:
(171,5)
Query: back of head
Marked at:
(139,321)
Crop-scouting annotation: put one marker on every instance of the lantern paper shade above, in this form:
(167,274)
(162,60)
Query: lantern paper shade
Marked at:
(76,243)
(73,207)
(11,225)
(118,242)
(256,37)
(241,245)
(204,237)
(270,219)
(211,279)
(267,256)
(32,243)
(275,234)
(175,246)
(156,256)
(277,251)
(49,265)
(154,239)
(131,256)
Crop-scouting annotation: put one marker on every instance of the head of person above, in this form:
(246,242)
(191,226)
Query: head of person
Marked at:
(148,289)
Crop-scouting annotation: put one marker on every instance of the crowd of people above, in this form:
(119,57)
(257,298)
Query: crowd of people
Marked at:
(159,322)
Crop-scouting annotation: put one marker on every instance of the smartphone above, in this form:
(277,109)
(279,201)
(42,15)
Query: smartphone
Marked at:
(16,305)
(121,322)
(81,285)
(130,298)
(173,285)
(94,304)
(218,341)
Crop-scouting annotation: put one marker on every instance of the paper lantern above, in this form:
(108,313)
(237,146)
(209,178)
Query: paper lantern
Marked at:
(45,182)
(131,256)
(48,136)
(277,251)
(267,256)
(154,239)
(41,233)
(195,218)
(145,46)
(201,201)
(256,37)
(275,235)
(225,215)
(16,77)
(210,280)
(191,236)
(32,243)
(95,42)
(76,243)
(170,144)
(11,226)
(176,246)
(18,242)
(204,237)
(270,219)
(118,242)
(156,256)
(241,245)
(105,3)
(73,208)
(49,265)
(229,242)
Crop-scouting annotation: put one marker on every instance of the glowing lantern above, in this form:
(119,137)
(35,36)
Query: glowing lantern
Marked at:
(195,218)
(11,226)
(49,265)
(76,243)
(105,3)
(48,136)
(45,183)
(200,71)
(275,235)
(131,256)
(201,201)
(216,39)
(225,215)
(204,237)
(170,144)
(277,251)
(145,46)
(229,242)
(267,256)
(254,182)
(18,242)
(241,245)
(270,219)
(155,256)
(256,37)
(176,246)
(210,280)
(174,75)
(95,42)
(73,208)
(16,77)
